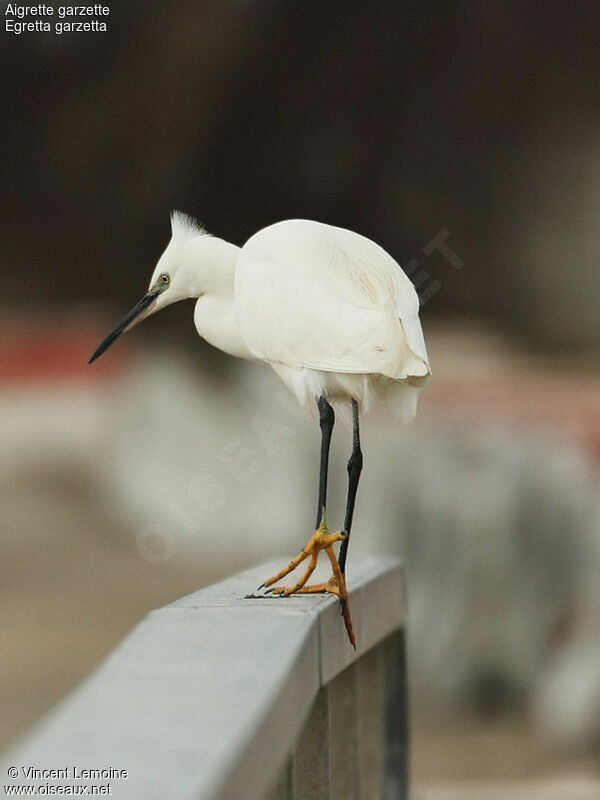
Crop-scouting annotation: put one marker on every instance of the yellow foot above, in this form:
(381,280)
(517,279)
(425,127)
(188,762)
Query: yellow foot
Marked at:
(321,539)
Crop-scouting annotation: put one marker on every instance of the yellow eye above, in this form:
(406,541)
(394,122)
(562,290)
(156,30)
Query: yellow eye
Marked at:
(164,278)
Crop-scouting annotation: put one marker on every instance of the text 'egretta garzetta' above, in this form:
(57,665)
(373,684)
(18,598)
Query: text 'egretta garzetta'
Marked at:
(329,310)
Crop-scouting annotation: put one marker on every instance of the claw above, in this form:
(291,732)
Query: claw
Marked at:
(343,601)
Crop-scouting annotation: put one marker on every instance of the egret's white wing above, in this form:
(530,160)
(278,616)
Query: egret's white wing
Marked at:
(311,295)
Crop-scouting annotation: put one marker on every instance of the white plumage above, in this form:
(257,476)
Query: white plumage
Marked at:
(329,310)
(332,313)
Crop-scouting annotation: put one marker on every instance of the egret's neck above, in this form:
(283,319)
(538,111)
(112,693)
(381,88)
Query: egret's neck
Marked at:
(218,259)
(215,316)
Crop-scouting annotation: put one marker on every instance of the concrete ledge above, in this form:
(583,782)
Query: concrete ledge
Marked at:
(206,697)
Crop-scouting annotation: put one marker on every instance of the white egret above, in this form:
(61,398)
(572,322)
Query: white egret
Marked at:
(329,310)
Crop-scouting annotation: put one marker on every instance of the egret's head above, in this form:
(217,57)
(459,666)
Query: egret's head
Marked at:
(176,277)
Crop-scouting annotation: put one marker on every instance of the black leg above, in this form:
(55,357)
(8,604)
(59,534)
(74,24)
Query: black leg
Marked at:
(354,470)
(326,421)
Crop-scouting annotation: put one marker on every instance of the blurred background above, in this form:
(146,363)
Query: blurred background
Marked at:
(463,137)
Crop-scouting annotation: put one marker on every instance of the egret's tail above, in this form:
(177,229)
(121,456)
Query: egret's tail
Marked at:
(399,399)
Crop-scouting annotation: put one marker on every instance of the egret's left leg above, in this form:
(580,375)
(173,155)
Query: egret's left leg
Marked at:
(354,469)
(321,539)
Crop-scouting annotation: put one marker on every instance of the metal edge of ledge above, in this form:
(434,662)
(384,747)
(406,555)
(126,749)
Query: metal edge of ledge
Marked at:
(205,697)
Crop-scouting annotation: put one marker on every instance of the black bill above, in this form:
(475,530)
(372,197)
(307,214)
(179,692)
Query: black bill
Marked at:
(125,323)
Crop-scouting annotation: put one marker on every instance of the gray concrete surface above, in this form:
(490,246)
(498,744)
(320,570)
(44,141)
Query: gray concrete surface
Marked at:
(207,697)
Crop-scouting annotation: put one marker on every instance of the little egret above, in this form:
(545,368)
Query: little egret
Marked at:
(329,310)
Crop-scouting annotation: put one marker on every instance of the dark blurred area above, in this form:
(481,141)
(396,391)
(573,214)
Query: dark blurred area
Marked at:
(392,119)
(476,121)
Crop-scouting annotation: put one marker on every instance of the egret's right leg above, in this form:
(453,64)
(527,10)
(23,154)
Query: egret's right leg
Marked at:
(321,539)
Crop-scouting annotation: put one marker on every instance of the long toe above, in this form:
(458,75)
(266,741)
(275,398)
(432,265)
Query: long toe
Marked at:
(348,624)
(302,555)
(317,588)
(333,587)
